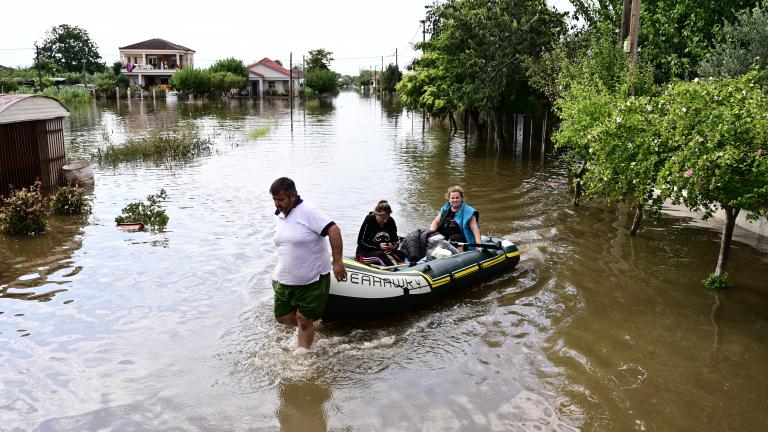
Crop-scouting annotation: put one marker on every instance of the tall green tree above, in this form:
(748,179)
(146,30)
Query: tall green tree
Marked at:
(675,35)
(319,59)
(231,65)
(390,77)
(477,52)
(718,130)
(743,43)
(70,47)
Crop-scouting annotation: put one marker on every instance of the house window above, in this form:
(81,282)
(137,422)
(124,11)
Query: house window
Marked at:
(152,60)
(271,85)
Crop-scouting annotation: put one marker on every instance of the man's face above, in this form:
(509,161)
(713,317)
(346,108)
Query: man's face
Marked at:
(284,202)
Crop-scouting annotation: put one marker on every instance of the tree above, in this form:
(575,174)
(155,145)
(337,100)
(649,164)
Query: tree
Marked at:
(192,80)
(718,129)
(474,60)
(231,65)
(610,137)
(743,44)
(319,59)
(321,80)
(390,78)
(226,81)
(70,47)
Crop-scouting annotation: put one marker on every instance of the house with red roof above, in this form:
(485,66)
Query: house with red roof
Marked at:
(267,77)
(153,62)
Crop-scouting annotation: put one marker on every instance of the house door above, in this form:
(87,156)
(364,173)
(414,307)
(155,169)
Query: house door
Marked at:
(254,88)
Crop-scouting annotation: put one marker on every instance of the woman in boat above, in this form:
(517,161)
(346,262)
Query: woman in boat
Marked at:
(377,241)
(457,221)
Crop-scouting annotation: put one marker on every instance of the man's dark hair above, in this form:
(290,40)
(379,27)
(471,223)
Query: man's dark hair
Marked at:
(284,185)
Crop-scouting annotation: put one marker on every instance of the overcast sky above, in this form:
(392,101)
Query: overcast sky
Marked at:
(358,32)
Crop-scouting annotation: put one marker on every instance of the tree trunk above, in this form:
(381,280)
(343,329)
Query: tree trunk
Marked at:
(577,185)
(637,220)
(498,117)
(454,127)
(725,240)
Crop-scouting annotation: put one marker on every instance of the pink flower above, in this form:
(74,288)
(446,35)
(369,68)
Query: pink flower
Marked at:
(760,152)
(689,173)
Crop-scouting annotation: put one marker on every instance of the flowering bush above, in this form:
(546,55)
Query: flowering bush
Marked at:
(24,211)
(71,200)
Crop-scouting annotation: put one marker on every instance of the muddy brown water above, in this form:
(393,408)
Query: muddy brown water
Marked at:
(102,329)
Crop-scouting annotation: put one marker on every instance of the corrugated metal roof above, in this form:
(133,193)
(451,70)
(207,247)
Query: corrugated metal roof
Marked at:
(29,107)
(157,44)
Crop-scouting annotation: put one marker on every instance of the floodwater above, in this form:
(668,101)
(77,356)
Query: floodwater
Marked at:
(102,329)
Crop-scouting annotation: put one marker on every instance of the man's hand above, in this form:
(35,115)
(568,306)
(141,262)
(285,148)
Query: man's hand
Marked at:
(338,270)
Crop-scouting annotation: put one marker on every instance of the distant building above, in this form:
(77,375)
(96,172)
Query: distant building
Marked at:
(31,141)
(266,77)
(154,61)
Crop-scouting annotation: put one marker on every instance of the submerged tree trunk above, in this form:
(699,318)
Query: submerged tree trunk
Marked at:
(498,118)
(452,119)
(577,189)
(725,240)
(638,219)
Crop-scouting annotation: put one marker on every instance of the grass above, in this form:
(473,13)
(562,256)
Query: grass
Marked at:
(158,147)
(259,132)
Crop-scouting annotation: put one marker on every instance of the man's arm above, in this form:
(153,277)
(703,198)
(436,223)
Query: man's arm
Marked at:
(337,247)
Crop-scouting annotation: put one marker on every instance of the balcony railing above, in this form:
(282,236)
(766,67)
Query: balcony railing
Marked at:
(138,67)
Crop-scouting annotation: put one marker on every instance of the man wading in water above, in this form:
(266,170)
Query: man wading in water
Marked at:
(301,280)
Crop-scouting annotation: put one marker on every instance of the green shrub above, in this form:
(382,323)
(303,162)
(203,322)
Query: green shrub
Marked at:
(716,282)
(69,95)
(322,80)
(150,214)
(24,211)
(71,200)
(158,148)
(307,93)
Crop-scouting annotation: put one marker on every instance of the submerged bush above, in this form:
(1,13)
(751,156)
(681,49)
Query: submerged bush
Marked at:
(24,211)
(150,214)
(717,282)
(71,200)
(157,148)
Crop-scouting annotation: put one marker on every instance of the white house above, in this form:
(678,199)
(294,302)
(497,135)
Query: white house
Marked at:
(269,78)
(154,61)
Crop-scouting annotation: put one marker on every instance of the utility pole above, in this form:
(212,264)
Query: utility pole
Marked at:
(382,63)
(290,77)
(625,17)
(39,72)
(396,65)
(634,27)
(85,76)
(423,31)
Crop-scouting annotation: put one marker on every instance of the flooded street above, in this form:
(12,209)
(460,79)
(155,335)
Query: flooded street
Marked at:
(102,329)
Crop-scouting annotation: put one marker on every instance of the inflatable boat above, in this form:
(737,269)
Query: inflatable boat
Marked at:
(370,292)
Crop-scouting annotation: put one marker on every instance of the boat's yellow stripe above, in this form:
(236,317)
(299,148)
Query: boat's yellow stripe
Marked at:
(493,261)
(442,281)
(513,254)
(467,271)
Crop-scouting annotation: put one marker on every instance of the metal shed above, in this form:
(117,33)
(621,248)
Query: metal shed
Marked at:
(31,141)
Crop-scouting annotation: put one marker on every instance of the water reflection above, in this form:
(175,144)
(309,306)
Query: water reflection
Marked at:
(38,267)
(302,406)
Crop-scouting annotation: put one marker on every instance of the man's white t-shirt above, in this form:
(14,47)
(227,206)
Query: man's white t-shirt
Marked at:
(302,252)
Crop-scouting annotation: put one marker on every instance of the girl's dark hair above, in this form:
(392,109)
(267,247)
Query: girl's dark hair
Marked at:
(382,207)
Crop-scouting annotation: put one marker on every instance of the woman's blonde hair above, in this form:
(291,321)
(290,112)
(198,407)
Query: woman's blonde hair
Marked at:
(454,189)
(382,207)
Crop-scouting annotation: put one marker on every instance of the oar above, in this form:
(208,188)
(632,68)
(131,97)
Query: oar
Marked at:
(480,245)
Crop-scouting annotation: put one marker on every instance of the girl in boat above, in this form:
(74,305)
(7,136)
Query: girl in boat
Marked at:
(377,241)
